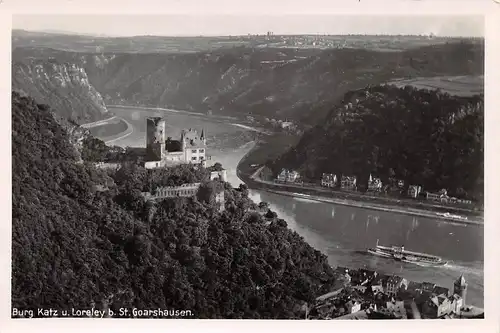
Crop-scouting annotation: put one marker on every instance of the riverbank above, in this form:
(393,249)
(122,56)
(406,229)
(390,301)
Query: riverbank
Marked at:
(98,123)
(248,173)
(406,211)
(127,132)
(112,130)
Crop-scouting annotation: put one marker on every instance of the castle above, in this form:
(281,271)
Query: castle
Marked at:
(162,152)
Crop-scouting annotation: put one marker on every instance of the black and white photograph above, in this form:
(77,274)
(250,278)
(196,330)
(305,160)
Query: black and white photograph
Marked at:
(292,167)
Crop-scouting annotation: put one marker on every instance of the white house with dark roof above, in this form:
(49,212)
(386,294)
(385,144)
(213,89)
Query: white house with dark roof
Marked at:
(348,183)
(329,180)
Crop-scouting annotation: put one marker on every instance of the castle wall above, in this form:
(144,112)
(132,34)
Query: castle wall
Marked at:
(186,190)
(175,156)
(197,153)
(220,200)
(154,164)
(103,165)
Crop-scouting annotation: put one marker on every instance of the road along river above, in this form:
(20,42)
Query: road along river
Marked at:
(338,230)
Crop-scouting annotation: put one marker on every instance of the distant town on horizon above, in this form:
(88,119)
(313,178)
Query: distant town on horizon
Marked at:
(97,35)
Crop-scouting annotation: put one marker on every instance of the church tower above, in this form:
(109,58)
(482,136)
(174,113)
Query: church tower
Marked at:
(460,287)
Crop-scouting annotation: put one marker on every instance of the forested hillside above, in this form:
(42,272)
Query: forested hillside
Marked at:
(85,238)
(276,83)
(425,137)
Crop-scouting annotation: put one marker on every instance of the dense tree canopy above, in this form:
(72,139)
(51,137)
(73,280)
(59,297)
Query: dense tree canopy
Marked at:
(83,237)
(424,137)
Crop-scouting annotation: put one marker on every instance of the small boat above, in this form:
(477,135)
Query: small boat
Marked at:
(399,253)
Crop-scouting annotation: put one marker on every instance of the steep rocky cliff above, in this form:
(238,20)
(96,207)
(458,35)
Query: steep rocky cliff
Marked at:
(276,83)
(63,86)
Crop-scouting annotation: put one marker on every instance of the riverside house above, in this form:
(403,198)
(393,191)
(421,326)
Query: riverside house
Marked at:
(441,196)
(292,176)
(394,284)
(287,176)
(414,191)
(348,183)
(374,184)
(282,176)
(329,180)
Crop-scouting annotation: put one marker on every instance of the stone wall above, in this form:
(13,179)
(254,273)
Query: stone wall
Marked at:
(186,190)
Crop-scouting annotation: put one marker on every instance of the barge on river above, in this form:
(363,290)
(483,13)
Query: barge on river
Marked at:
(399,253)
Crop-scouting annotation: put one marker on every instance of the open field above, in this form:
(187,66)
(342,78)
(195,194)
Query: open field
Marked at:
(454,85)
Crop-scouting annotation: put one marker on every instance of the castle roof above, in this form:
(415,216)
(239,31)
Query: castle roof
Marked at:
(440,290)
(380,279)
(173,145)
(412,285)
(192,139)
(395,279)
(428,286)
(438,300)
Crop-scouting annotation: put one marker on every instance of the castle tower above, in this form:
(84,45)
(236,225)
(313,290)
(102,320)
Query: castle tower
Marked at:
(155,138)
(460,288)
(202,137)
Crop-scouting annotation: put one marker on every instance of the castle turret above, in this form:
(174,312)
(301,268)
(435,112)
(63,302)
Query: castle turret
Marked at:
(460,288)
(202,137)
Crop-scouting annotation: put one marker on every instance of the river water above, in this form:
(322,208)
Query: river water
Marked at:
(337,230)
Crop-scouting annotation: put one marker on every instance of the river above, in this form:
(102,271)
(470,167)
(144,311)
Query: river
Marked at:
(336,230)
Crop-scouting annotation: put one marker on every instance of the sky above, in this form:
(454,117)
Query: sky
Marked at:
(240,24)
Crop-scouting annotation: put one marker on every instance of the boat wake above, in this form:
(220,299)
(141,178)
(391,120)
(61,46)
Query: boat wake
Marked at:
(421,264)
(305,200)
(464,269)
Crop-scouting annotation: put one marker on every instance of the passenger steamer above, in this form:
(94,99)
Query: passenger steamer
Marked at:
(400,254)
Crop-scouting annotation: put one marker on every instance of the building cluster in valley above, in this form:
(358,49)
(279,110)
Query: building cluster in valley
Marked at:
(369,294)
(373,186)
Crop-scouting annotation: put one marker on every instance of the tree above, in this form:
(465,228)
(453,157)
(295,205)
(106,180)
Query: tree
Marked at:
(263,205)
(217,167)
